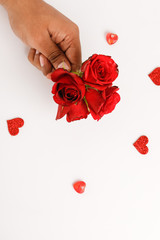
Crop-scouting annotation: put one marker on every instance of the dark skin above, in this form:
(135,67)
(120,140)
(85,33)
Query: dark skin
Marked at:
(43,28)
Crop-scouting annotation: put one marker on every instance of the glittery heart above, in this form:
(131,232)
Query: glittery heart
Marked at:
(111,38)
(155,76)
(140,145)
(79,186)
(14,125)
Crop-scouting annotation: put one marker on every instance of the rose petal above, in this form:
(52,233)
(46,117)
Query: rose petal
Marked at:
(57,74)
(94,99)
(111,103)
(62,111)
(109,91)
(77,111)
(84,65)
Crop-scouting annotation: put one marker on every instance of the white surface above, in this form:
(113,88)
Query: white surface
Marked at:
(38,167)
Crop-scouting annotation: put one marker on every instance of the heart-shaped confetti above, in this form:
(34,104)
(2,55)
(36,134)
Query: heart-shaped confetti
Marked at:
(14,125)
(79,186)
(111,38)
(140,145)
(155,76)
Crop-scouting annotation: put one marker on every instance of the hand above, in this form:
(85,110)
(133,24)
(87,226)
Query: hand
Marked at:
(43,28)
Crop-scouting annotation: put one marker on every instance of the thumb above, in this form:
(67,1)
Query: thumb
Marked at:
(55,55)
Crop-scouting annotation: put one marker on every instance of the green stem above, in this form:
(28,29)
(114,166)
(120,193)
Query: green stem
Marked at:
(85,100)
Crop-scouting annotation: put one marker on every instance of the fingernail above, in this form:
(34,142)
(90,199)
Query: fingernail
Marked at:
(64,66)
(41,59)
(37,52)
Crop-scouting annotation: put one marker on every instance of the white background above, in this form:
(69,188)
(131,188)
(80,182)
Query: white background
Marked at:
(39,166)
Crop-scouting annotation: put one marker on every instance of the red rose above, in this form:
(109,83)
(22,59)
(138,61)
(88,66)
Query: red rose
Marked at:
(73,112)
(68,88)
(99,71)
(102,102)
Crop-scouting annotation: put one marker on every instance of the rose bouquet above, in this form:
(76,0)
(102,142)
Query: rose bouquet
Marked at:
(89,91)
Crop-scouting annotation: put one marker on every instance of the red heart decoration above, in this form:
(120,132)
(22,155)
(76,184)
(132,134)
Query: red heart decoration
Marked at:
(14,125)
(140,145)
(79,186)
(111,38)
(155,76)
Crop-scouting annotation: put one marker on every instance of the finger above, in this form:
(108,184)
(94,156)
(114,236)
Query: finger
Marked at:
(31,55)
(46,66)
(39,61)
(36,61)
(54,54)
(73,53)
(72,48)
(49,75)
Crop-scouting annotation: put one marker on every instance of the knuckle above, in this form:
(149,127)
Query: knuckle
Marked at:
(54,56)
(76,28)
(73,31)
